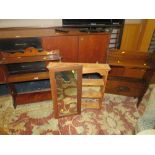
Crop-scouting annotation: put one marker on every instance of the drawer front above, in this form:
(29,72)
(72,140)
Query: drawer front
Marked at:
(127,72)
(134,89)
(134,73)
(116,71)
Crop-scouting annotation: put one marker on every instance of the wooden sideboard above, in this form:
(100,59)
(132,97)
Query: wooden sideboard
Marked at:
(89,48)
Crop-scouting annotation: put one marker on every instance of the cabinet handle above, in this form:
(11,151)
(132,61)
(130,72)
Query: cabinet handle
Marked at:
(81,38)
(123,89)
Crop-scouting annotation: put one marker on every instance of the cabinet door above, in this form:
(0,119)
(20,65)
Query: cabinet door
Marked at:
(68,46)
(93,48)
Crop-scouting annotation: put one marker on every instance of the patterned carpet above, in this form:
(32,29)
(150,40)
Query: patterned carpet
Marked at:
(119,116)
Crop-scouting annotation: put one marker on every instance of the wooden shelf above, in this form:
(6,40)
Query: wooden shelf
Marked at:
(92,82)
(28,77)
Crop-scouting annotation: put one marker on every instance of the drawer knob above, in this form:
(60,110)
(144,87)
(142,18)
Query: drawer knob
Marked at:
(123,89)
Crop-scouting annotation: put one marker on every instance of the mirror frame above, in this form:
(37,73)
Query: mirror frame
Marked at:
(60,68)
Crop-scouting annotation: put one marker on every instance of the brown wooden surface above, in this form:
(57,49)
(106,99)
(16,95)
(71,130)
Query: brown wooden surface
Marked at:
(68,46)
(38,32)
(131,33)
(147,30)
(93,48)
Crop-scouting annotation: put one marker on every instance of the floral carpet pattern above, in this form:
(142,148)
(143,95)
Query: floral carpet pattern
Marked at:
(118,116)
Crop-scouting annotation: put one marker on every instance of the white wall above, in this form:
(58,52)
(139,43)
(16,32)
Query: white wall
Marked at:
(30,22)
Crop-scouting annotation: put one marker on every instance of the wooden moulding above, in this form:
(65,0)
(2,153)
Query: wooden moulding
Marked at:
(40,32)
(87,67)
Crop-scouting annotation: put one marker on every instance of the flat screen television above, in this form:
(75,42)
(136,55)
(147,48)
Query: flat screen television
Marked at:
(91,22)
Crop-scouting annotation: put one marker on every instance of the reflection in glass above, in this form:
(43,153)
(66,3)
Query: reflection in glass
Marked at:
(66,83)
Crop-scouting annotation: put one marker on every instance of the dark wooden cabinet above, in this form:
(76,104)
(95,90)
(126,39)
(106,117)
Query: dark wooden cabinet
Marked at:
(93,48)
(67,45)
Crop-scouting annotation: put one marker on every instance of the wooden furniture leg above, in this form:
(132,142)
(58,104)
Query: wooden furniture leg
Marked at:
(102,89)
(13,93)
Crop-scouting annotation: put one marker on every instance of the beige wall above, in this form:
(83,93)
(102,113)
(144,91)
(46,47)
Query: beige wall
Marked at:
(30,22)
(133,21)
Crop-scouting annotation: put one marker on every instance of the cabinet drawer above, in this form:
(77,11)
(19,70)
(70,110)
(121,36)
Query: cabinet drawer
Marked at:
(134,72)
(127,88)
(137,73)
(116,71)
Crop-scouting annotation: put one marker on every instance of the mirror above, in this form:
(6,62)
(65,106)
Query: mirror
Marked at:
(66,90)
(66,82)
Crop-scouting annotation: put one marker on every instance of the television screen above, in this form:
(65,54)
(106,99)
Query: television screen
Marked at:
(91,22)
